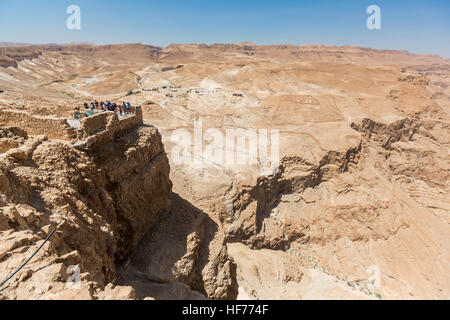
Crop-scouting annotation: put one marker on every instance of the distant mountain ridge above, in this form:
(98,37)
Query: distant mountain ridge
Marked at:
(13,44)
(23,44)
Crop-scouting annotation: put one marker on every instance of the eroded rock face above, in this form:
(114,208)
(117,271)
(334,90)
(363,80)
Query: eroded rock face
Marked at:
(100,201)
(373,207)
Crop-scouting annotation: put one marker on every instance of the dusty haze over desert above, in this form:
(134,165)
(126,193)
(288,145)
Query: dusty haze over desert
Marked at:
(348,200)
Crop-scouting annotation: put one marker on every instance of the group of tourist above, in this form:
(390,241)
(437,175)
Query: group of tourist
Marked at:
(123,109)
(95,107)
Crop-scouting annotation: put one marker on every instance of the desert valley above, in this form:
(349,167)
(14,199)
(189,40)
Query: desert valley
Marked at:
(350,201)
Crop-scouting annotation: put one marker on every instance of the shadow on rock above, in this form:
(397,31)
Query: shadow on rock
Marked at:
(180,258)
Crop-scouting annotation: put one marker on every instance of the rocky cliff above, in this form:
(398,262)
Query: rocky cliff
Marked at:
(101,198)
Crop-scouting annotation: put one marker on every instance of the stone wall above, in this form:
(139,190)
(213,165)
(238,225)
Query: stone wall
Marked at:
(94,124)
(104,127)
(94,130)
(52,127)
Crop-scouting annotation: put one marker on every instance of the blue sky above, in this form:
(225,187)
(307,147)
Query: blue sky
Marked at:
(416,26)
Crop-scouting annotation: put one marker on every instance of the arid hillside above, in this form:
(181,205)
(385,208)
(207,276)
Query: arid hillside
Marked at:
(350,201)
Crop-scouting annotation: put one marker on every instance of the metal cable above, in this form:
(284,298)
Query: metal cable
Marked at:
(31,257)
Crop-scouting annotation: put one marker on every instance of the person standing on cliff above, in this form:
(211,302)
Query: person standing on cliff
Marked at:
(124,107)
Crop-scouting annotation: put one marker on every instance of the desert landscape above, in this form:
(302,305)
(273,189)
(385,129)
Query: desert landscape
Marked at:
(350,201)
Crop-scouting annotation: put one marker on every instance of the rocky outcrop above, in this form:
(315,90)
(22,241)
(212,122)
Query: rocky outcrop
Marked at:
(100,200)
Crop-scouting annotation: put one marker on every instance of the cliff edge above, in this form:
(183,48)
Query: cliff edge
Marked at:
(101,194)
